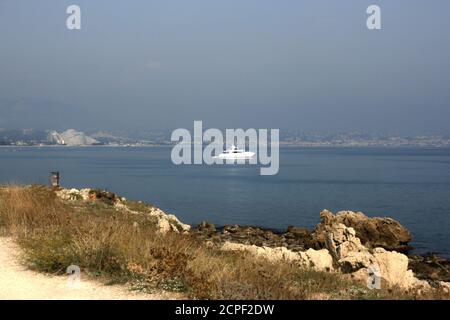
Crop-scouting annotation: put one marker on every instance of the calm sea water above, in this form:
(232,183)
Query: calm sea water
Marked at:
(410,185)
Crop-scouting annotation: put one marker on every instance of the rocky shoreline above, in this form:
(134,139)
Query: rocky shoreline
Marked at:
(391,236)
(373,232)
(347,242)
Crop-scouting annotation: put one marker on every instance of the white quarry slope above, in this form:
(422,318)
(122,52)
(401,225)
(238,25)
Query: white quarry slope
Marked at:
(72,137)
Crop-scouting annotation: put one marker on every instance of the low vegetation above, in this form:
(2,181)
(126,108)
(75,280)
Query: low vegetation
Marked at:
(126,248)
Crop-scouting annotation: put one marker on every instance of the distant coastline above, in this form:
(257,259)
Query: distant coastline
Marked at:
(288,138)
(282,145)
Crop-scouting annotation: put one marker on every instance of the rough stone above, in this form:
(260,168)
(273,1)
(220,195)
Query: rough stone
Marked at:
(373,232)
(430,267)
(319,260)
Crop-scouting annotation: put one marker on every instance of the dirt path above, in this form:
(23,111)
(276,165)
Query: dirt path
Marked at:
(16,282)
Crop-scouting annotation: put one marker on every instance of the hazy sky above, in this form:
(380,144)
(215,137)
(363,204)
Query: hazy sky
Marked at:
(306,65)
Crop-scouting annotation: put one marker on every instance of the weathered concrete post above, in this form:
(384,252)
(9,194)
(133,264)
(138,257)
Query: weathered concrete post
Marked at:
(54,179)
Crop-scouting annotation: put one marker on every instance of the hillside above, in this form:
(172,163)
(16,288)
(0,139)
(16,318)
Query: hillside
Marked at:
(72,137)
(140,246)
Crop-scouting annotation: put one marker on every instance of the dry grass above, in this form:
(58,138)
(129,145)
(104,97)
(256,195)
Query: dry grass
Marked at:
(126,248)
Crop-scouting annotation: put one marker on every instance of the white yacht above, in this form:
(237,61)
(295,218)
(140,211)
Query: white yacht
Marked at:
(235,153)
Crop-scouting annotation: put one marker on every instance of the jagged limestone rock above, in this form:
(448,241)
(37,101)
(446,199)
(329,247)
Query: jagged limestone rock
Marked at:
(319,260)
(373,232)
(350,256)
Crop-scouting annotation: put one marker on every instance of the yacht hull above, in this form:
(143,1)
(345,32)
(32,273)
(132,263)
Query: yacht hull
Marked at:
(236,156)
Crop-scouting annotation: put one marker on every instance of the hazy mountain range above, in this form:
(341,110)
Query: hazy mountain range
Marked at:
(69,137)
(72,137)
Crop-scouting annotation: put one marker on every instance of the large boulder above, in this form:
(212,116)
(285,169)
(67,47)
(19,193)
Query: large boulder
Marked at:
(393,271)
(351,257)
(319,260)
(386,233)
(346,249)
